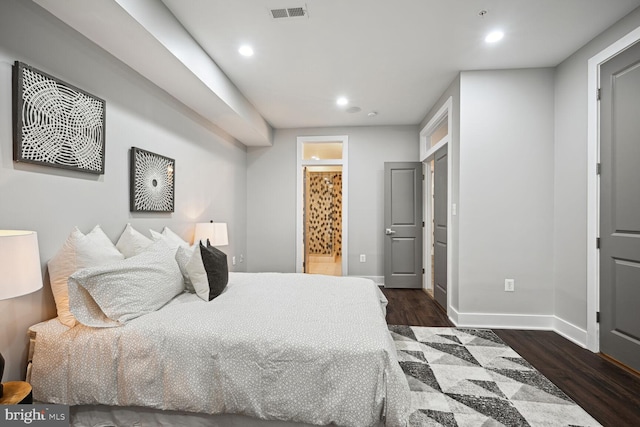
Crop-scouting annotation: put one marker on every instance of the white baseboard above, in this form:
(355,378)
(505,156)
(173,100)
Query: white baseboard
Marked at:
(505,321)
(570,331)
(453,315)
(546,322)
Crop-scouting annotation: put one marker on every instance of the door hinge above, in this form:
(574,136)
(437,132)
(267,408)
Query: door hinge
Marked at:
(597,243)
(598,168)
(597,317)
(598,94)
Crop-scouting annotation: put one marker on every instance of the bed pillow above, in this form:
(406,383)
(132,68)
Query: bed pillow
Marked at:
(171,238)
(132,242)
(183,255)
(127,289)
(78,251)
(207,270)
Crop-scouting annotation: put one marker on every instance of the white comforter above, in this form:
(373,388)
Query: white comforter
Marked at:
(292,347)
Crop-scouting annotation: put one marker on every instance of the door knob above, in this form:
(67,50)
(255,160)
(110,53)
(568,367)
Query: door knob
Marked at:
(389,232)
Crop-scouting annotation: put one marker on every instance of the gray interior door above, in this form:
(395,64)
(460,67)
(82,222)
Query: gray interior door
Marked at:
(403,225)
(440,227)
(620,207)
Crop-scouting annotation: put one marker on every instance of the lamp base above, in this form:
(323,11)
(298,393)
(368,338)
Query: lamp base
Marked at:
(1,373)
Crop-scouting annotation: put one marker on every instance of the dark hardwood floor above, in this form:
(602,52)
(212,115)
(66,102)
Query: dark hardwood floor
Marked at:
(608,392)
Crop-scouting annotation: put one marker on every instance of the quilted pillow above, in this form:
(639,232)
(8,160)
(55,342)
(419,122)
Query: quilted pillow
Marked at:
(132,242)
(78,251)
(126,289)
(206,269)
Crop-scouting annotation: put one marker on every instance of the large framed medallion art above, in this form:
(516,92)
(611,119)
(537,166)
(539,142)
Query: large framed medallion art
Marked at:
(152,182)
(56,124)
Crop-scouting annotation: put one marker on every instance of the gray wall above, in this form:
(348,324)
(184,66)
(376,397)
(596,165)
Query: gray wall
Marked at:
(522,188)
(210,170)
(570,171)
(271,198)
(506,191)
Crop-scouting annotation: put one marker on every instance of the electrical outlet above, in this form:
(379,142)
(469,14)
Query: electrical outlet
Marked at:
(233,260)
(363,258)
(241,258)
(509,285)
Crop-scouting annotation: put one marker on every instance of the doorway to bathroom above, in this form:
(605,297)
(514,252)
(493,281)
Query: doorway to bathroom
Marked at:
(321,204)
(323,220)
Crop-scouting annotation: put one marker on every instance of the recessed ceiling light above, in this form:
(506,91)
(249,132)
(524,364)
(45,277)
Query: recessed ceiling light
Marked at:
(494,36)
(246,50)
(342,101)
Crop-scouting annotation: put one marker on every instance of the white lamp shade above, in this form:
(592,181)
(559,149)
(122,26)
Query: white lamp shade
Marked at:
(216,232)
(20,270)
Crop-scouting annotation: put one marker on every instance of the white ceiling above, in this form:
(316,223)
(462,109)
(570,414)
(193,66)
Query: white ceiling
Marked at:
(393,57)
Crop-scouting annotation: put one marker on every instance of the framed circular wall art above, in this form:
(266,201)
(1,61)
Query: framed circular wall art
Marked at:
(56,124)
(152,182)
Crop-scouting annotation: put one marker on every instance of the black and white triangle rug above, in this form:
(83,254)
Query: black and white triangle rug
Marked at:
(470,377)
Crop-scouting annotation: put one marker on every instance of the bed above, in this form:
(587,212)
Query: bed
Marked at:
(296,348)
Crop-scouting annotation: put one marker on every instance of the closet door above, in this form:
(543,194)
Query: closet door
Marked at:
(440,172)
(620,207)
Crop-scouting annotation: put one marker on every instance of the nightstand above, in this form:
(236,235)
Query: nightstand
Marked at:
(16,392)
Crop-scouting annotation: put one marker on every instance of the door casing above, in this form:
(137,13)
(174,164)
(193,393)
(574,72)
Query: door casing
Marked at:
(427,153)
(301,163)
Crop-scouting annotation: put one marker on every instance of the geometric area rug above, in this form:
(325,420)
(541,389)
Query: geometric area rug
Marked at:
(470,377)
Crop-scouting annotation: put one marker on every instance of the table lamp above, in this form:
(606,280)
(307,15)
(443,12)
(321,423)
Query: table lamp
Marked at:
(216,232)
(20,270)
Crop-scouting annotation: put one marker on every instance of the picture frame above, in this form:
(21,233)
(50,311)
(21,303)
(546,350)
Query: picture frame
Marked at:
(55,123)
(152,182)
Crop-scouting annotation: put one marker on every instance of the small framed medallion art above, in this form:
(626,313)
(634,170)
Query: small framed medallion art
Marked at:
(152,182)
(56,124)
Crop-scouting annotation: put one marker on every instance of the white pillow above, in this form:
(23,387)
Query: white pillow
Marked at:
(172,239)
(126,289)
(183,255)
(205,270)
(77,252)
(132,242)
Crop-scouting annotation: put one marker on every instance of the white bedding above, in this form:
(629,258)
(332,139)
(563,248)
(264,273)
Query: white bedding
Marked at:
(293,347)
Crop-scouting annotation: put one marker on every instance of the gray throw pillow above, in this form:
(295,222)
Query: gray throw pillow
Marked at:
(215,262)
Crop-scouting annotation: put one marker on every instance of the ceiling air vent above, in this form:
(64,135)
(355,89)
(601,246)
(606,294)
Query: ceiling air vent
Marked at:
(289,12)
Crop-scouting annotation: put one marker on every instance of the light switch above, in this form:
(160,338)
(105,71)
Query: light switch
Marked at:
(509,285)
